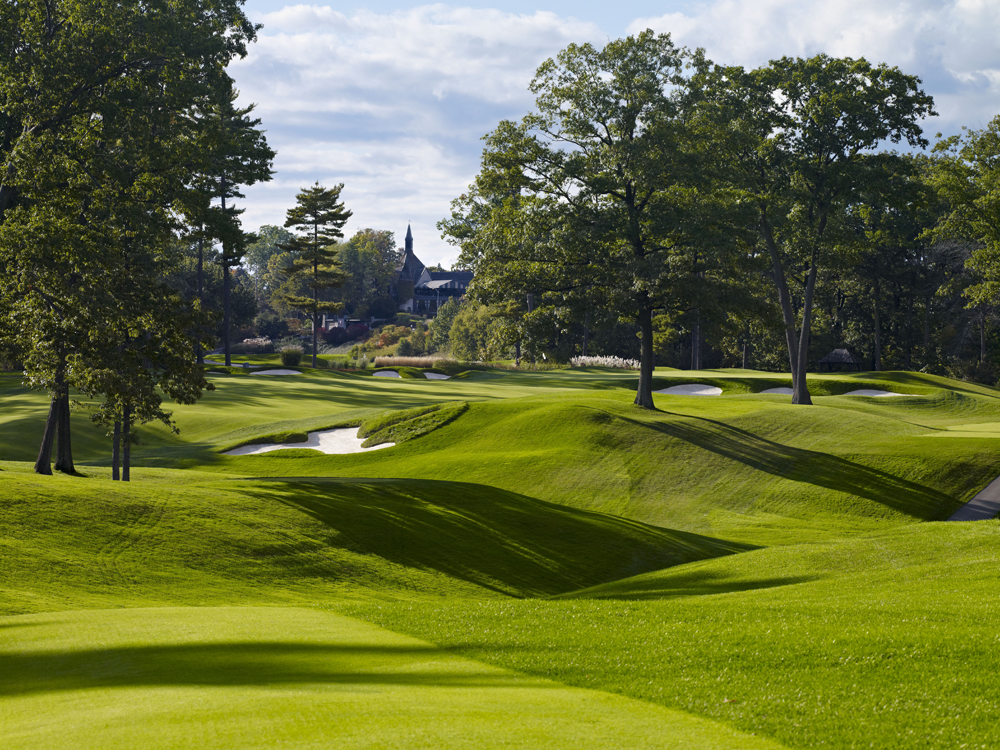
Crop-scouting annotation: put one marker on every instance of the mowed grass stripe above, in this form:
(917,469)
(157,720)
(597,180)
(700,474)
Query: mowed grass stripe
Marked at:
(274,677)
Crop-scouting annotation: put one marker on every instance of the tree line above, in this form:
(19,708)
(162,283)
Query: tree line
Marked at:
(656,203)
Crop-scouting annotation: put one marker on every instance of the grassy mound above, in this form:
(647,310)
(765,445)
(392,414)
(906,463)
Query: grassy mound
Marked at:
(743,468)
(69,543)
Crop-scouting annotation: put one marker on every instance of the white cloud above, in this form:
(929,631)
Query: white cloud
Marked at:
(393,104)
(951,44)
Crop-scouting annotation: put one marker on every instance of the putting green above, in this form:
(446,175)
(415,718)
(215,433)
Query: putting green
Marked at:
(279,677)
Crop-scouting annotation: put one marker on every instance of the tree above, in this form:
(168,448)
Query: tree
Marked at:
(259,253)
(799,137)
(98,153)
(369,259)
(596,192)
(966,173)
(320,214)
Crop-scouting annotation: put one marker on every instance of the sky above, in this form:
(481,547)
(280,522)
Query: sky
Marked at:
(392,99)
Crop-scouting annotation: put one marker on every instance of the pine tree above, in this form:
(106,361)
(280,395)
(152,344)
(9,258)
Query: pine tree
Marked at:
(320,216)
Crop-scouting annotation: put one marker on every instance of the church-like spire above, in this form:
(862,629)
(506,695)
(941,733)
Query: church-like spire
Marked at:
(409,239)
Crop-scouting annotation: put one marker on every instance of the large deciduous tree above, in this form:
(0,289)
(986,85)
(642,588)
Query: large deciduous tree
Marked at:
(595,192)
(320,215)
(97,154)
(799,138)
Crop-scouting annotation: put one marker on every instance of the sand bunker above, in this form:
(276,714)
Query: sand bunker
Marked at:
(782,391)
(277,372)
(692,389)
(337,441)
(386,374)
(872,392)
(436,376)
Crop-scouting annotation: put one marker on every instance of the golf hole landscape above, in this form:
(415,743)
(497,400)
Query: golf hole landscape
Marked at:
(535,562)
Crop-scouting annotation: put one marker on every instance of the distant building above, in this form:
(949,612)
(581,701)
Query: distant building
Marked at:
(418,290)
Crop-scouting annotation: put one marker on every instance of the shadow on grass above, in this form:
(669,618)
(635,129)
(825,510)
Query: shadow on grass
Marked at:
(500,540)
(672,586)
(806,466)
(235,664)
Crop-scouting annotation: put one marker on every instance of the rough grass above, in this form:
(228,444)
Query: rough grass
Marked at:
(399,426)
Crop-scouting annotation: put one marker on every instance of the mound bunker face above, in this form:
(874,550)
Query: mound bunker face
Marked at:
(386,374)
(332,442)
(691,389)
(277,372)
(436,376)
(781,391)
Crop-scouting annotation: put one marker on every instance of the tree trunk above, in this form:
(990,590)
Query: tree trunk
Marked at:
(644,395)
(785,299)
(64,448)
(531,307)
(800,389)
(696,341)
(746,354)
(878,334)
(586,332)
(115,443)
(43,464)
(126,442)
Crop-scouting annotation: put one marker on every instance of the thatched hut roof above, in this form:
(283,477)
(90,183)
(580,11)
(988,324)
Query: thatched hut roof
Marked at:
(840,357)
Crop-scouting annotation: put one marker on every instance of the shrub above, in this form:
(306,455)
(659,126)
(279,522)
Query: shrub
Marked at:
(356,331)
(291,356)
(405,348)
(336,336)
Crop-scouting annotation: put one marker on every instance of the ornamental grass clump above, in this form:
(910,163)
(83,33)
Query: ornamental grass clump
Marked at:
(616,362)
(291,356)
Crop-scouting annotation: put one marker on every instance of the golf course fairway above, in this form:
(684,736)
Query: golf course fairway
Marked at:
(535,563)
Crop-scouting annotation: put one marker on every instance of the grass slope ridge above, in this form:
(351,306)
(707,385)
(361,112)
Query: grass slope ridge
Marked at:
(67,543)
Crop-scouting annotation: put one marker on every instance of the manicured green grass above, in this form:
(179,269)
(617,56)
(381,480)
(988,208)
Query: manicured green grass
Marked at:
(763,567)
(283,677)
(887,640)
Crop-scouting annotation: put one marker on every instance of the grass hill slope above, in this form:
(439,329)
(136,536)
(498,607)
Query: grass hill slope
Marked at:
(68,543)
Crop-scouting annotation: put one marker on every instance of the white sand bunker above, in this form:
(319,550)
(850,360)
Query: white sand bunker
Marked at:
(692,389)
(781,391)
(436,376)
(872,392)
(338,441)
(277,372)
(386,374)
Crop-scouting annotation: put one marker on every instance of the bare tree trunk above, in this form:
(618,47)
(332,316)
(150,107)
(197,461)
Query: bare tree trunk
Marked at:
(644,394)
(115,443)
(315,315)
(586,332)
(64,447)
(746,354)
(531,307)
(126,442)
(43,464)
